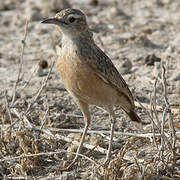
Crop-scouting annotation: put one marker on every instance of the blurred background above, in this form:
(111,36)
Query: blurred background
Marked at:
(139,36)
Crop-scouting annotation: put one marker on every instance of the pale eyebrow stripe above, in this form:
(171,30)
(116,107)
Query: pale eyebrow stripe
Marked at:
(75,15)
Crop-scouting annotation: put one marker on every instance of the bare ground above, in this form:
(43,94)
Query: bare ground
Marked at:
(39,120)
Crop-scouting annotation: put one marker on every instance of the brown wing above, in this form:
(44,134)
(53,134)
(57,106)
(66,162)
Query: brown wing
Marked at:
(105,69)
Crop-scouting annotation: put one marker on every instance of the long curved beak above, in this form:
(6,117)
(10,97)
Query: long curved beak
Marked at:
(52,21)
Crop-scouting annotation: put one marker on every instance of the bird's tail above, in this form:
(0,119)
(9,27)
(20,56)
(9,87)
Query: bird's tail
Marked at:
(135,118)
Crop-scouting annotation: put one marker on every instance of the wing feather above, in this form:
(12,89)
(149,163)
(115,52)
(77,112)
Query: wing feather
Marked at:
(104,68)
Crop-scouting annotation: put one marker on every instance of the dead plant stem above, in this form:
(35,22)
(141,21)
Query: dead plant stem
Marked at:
(20,63)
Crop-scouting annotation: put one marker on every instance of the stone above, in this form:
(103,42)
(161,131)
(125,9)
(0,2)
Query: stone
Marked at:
(151,59)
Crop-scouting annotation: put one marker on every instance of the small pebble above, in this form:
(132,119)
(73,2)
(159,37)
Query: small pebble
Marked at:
(150,59)
(93,3)
(141,154)
(43,64)
(125,66)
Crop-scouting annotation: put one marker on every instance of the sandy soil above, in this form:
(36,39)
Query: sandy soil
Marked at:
(140,37)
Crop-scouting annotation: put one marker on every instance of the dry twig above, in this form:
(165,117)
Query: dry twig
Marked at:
(20,63)
(7,107)
(154,104)
(88,146)
(45,154)
(145,135)
(153,129)
(45,117)
(167,109)
(40,90)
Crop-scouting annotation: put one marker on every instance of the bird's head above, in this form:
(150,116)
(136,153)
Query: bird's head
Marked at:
(70,21)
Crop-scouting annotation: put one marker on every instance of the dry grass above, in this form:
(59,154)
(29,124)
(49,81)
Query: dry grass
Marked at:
(31,144)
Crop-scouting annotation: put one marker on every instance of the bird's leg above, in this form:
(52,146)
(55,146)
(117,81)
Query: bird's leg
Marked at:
(84,108)
(112,120)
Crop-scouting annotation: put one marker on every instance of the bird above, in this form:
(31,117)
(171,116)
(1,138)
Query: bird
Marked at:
(88,73)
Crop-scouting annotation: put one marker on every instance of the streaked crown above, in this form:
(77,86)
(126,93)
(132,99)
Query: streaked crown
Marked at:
(69,21)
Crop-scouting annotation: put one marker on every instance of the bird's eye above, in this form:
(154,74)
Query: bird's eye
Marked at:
(72,19)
